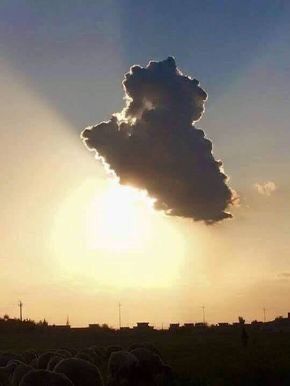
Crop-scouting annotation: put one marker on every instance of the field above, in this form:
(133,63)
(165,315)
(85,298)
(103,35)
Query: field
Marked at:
(198,357)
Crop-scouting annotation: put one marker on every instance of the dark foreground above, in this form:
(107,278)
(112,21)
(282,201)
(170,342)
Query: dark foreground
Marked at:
(198,357)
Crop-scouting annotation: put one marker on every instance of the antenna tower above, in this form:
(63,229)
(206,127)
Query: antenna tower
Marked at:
(20,305)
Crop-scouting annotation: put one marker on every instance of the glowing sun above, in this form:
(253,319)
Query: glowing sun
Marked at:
(117,220)
(108,235)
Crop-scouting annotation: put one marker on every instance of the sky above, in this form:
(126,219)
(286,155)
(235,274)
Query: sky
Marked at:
(76,243)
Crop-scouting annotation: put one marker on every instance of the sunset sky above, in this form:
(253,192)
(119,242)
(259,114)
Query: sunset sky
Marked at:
(73,242)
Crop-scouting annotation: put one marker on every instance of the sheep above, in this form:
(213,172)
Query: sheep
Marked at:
(111,349)
(150,364)
(6,357)
(28,356)
(4,378)
(147,357)
(85,356)
(20,370)
(152,369)
(44,359)
(98,357)
(135,345)
(14,363)
(34,363)
(100,352)
(64,353)
(122,367)
(54,360)
(5,374)
(58,355)
(166,377)
(80,372)
(89,355)
(148,346)
(71,350)
(152,348)
(44,378)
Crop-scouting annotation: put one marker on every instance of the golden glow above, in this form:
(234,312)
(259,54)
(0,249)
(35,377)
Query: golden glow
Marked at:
(117,219)
(75,243)
(111,236)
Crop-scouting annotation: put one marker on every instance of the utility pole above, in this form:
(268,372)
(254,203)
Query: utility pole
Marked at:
(203,314)
(264,312)
(20,305)
(120,316)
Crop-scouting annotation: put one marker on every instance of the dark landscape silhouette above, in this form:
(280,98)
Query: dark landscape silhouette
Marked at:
(240,353)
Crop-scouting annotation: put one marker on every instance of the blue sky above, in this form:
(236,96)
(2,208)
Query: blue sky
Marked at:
(62,47)
(75,53)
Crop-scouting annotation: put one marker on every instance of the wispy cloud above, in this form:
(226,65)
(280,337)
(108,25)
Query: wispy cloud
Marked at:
(266,188)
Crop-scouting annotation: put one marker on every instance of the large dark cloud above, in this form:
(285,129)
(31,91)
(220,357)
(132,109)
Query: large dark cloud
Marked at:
(153,145)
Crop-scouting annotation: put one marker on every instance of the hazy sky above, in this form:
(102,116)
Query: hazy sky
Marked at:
(72,242)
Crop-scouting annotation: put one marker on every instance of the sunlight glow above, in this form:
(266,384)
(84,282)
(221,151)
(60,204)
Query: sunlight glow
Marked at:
(109,236)
(117,220)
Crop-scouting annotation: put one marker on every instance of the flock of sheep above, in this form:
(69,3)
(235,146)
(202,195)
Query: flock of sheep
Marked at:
(141,365)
